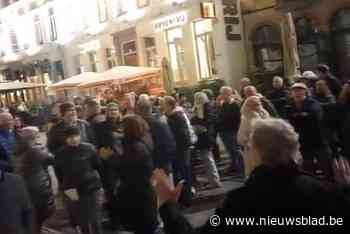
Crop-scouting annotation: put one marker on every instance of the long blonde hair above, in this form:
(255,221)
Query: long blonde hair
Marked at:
(200,99)
(249,112)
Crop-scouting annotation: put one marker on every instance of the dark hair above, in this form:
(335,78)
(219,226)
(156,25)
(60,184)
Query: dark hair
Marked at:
(135,127)
(64,107)
(71,131)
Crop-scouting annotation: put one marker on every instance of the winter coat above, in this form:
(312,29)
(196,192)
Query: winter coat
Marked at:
(283,191)
(279,98)
(343,128)
(308,123)
(229,117)
(136,197)
(205,127)
(180,130)
(55,138)
(164,143)
(325,100)
(334,84)
(32,164)
(78,167)
(7,143)
(15,205)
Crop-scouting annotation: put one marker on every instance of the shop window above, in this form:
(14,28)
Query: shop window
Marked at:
(110,58)
(52,26)
(102,10)
(93,61)
(38,31)
(307,44)
(129,53)
(205,48)
(340,26)
(176,53)
(268,49)
(151,52)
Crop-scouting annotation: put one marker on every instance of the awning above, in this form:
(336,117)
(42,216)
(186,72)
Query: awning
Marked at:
(74,81)
(11,86)
(119,75)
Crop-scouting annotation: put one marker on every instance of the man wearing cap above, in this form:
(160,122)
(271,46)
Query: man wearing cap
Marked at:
(305,114)
(108,143)
(55,138)
(333,83)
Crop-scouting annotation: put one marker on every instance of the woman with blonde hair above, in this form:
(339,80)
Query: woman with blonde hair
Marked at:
(251,111)
(203,122)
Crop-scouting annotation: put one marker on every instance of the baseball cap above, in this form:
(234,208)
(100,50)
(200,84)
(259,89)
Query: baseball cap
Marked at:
(299,85)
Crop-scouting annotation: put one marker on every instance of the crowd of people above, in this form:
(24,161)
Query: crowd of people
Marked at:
(291,147)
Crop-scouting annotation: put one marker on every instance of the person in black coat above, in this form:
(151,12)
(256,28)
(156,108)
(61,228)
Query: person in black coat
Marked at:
(277,189)
(203,122)
(279,95)
(136,197)
(77,169)
(333,83)
(108,142)
(32,164)
(17,210)
(179,126)
(306,116)
(163,140)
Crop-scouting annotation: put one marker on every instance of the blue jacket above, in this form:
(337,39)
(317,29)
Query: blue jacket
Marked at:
(7,143)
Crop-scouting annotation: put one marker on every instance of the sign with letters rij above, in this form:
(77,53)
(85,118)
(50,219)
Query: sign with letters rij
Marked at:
(231,20)
(170,21)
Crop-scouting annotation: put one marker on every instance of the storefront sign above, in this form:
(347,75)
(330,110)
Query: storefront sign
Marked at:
(231,20)
(170,21)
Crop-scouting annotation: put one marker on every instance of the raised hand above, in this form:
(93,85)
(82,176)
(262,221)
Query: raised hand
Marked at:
(341,170)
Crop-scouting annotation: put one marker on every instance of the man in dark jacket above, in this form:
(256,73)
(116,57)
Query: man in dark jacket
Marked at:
(77,169)
(279,95)
(229,119)
(17,211)
(163,140)
(306,116)
(276,189)
(180,129)
(55,138)
(109,145)
(333,83)
(7,141)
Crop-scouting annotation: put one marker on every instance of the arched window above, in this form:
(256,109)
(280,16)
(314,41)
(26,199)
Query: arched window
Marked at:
(340,31)
(307,44)
(268,49)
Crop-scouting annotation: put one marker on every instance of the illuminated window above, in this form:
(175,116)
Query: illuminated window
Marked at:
(151,52)
(208,10)
(268,49)
(142,3)
(129,53)
(52,22)
(102,10)
(205,48)
(38,31)
(110,58)
(176,53)
(93,61)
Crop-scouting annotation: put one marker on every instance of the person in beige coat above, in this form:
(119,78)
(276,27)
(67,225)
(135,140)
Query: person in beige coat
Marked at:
(251,111)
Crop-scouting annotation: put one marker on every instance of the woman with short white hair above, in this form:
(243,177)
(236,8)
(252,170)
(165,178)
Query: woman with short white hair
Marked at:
(251,111)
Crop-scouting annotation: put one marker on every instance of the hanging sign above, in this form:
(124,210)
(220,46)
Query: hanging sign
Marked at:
(170,21)
(231,20)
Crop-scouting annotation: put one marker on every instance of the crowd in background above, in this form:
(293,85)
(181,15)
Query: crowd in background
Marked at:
(136,159)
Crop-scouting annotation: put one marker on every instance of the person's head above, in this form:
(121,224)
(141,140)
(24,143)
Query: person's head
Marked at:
(6,121)
(299,92)
(169,104)
(112,111)
(80,112)
(264,147)
(68,112)
(29,135)
(250,91)
(244,82)
(323,70)
(78,101)
(344,97)
(309,77)
(322,88)
(92,108)
(72,136)
(135,127)
(144,107)
(252,104)
(277,82)
(200,98)
(226,93)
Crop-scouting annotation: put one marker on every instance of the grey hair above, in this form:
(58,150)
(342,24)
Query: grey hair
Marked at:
(278,78)
(276,141)
(144,106)
(225,88)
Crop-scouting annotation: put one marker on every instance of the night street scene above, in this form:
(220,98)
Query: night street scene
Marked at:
(174,116)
